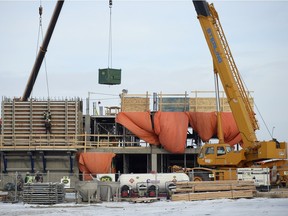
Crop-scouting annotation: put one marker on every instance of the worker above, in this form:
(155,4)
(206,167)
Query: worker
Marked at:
(38,177)
(278,180)
(28,178)
(47,122)
(20,182)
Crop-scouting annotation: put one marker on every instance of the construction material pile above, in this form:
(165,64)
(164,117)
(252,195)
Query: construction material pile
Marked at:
(207,190)
(44,193)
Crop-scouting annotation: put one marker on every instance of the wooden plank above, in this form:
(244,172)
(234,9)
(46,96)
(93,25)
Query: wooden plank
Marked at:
(144,200)
(214,182)
(212,195)
(200,188)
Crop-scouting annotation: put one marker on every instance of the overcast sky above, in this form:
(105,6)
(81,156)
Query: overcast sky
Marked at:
(159,45)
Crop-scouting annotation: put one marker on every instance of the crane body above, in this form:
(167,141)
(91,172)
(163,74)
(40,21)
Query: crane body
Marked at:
(221,156)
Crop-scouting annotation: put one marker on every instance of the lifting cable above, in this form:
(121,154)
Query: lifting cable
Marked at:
(40,31)
(258,110)
(110,37)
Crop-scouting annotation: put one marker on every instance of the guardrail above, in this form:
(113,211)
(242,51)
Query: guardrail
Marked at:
(81,141)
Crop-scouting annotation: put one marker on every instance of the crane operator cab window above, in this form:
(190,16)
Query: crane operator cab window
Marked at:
(209,150)
(220,151)
(229,149)
(206,151)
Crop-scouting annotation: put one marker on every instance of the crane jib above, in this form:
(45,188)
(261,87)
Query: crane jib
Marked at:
(214,45)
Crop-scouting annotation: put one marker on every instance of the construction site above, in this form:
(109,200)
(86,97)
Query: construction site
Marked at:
(189,146)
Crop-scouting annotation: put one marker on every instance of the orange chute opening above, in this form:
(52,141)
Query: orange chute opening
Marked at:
(170,128)
(95,163)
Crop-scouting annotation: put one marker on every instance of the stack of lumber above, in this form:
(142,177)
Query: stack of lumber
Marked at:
(3,195)
(205,190)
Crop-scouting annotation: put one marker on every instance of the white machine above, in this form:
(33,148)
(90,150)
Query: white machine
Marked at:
(260,176)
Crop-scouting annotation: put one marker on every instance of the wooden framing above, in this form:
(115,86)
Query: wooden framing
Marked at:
(23,122)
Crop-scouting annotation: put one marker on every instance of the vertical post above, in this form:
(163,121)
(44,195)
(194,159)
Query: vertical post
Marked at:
(5,163)
(44,162)
(160,101)
(153,159)
(155,102)
(185,162)
(147,101)
(85,142)
(15,198)
(218,109)
(186,102)
(71,162)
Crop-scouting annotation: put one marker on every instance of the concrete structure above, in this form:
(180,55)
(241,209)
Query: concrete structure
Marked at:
(26,146)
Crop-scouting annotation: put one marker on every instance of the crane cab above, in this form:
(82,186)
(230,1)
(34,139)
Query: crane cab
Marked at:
(219,154)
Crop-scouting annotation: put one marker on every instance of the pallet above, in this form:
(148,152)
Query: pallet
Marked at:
(144,200)
(3,195)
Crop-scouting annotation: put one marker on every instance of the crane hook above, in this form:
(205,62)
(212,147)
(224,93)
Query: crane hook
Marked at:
(40,10)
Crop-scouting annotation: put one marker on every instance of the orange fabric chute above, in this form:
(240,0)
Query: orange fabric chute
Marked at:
(204,123)
(139,123)
(95,162)
(171,128)
(230,129)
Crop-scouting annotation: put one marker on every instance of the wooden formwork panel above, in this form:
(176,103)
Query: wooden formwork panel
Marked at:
(23,123)
(135,104)
(209,104)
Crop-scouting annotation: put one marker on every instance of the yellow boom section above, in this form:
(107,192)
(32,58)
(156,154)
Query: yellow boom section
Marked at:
(226,68)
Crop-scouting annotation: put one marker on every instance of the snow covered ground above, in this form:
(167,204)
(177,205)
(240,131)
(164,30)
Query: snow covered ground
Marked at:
(243,207)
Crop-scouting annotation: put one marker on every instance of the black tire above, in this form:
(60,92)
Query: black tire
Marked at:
(201,176)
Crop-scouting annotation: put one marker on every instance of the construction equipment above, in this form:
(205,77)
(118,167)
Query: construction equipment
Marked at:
(220,159)
(42,51)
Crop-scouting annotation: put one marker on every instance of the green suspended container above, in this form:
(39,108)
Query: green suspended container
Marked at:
(109,76)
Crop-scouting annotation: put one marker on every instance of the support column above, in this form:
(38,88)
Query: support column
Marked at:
(154,167)
(125,163)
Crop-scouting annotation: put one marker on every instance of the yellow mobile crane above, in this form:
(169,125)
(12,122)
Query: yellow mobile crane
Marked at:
(220,159)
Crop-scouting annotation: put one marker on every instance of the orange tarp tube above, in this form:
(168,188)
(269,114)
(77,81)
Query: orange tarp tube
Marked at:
(95,162)
(205,124)
(170,128)
(139,123)
(230,129)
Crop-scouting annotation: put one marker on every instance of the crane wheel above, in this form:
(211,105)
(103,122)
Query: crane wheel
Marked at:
(203,176)
(197,178)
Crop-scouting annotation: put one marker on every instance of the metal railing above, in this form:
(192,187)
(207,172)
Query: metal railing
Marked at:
(56,141)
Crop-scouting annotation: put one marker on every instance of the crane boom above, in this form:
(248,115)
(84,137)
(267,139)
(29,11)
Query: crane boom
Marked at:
(226,68)
(42,51)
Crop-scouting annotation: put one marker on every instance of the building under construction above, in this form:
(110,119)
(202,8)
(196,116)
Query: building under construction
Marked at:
(146,133)
(27,145)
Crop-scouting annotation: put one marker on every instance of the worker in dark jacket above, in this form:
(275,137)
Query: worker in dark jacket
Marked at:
(47,122)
